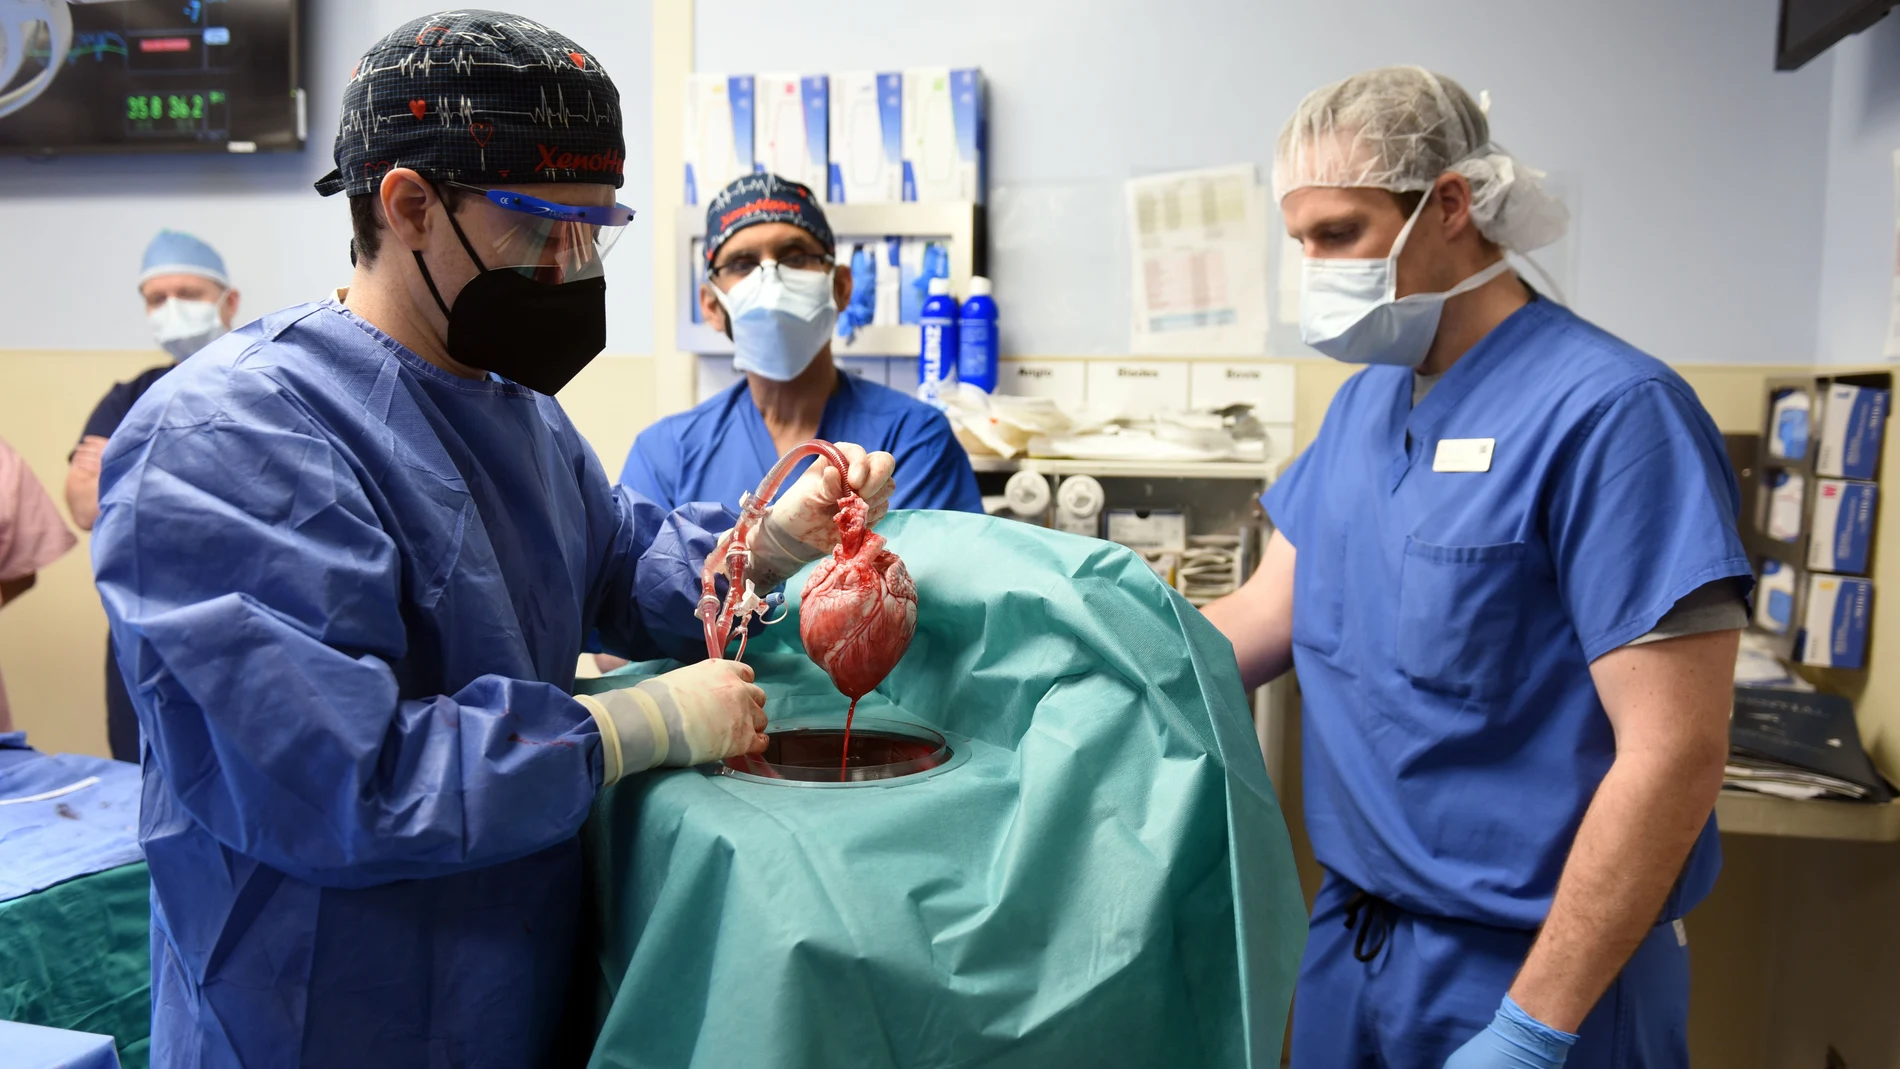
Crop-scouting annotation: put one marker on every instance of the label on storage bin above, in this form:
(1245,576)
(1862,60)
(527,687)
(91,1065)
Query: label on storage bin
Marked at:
(1463,454)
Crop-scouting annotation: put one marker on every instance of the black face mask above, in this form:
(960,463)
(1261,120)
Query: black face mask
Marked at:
(535,333)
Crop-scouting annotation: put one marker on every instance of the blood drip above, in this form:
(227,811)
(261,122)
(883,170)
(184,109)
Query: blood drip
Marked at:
(844,756)
(858,612)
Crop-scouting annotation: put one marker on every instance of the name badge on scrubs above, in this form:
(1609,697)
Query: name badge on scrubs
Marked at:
(1463,454)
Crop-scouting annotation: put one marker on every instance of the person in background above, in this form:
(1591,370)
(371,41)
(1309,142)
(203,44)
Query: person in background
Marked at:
(1508,573)
(773,286)
(349,553)
(31,537)
(190,303)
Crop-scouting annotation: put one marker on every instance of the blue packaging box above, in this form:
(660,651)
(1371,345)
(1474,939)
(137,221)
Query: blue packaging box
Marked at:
(1853,422)
(1835,634)
(1843,526)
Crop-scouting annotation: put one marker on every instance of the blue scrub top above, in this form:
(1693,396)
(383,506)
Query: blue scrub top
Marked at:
(1444,622)
(348,590)
(721,449)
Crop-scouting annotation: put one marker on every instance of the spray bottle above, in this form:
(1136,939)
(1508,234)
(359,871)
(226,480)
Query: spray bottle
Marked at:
(937,360)
(976,337)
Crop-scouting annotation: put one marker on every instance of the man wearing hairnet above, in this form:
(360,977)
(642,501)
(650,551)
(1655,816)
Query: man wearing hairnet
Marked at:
(1508,574)
(349,553)
(190,303)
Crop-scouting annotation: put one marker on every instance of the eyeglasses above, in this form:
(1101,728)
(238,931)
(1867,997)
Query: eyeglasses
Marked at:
(741,266)
(595,215)
(548,241)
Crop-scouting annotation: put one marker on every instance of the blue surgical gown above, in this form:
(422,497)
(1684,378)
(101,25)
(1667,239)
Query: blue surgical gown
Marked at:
(721,449)
(1444,622)
(348,590)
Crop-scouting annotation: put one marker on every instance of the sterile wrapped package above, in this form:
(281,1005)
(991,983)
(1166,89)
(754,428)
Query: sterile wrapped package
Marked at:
(1001,424)
(1100,876)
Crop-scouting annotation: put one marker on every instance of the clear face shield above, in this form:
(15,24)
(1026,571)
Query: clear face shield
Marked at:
(545,241)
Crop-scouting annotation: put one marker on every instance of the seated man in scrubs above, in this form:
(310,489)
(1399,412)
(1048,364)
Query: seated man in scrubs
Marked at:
(1508,574)
(774,288)
(349,552)
(190,302)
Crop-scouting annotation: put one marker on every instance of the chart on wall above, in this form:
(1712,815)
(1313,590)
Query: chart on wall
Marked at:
(149,75)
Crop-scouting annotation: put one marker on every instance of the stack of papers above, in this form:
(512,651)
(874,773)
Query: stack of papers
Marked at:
(1787,781)
(1795,744)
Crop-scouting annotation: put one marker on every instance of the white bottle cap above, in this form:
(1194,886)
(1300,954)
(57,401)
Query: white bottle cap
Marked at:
(979,286)
(940,287)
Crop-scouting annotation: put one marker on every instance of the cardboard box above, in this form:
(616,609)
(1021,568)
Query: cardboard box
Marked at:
(1842,527)
(1835,632)
(718,133)
(946,134)
(1853,420)
(866,142)
(794,128)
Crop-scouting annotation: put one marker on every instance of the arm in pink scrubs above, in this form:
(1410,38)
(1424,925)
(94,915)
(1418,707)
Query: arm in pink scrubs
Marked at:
(31,535)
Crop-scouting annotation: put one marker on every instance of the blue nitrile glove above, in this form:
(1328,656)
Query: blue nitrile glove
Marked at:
(1514,1040)
(863,306)
(936,265)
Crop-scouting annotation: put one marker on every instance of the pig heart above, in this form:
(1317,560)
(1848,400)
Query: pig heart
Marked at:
(859,609)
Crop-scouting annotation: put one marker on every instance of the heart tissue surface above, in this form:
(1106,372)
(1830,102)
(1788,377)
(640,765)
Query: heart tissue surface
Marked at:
(859,609)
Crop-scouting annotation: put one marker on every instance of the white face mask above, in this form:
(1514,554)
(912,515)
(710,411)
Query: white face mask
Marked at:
(183,327)
(1349,309)
(780,320)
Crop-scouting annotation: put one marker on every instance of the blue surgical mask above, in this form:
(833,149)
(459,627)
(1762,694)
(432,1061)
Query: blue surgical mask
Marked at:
(1350,310)
(780,319)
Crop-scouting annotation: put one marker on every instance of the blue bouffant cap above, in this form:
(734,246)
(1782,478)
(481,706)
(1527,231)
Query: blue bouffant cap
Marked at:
(480,97)
(175,253)
(764,198)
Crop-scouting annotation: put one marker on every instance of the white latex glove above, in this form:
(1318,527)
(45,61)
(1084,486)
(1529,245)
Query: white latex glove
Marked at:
(803,523)
(704,712)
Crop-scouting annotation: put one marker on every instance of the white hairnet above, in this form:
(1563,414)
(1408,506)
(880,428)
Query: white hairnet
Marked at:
(1399,129)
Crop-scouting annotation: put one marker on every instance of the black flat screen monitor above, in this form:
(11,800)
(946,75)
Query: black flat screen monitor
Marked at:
(1811,27)
(163,76)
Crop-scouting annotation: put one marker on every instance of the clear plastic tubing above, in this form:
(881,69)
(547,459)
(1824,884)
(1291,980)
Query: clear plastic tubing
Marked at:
(723,620)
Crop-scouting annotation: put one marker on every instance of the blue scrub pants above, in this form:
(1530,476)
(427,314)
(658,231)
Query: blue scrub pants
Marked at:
(1435,983)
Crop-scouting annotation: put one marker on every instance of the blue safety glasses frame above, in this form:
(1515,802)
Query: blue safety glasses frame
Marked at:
(609,215)
(547,241)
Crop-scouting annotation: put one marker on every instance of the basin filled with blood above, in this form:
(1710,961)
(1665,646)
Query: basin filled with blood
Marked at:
(812,749)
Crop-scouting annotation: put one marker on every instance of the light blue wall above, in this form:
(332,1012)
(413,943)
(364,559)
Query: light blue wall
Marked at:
(72,230)
(1698,170)
(1699,173)
(1859,250)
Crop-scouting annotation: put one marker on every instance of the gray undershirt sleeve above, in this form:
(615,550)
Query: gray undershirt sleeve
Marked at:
(1716,606)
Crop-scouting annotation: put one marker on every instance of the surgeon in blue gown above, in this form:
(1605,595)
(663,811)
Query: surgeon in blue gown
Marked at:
(773,285)
(1508,574)
(349,553)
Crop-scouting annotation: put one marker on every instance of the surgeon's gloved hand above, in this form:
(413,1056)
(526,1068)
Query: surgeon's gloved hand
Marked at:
(1513,1040)
(803,523)
(704,712)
